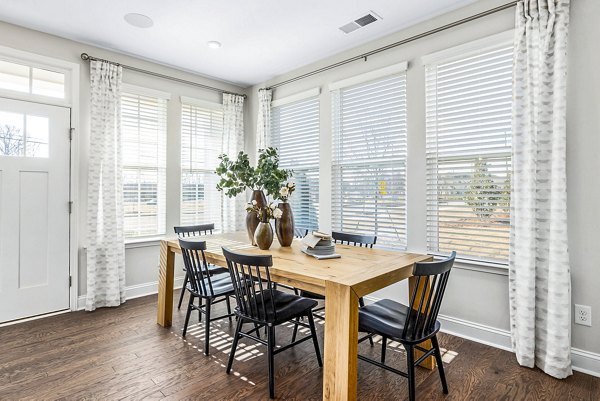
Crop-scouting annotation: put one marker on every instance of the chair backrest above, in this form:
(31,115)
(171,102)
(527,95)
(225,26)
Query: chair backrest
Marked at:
(195,263)
(300,232)
(434,274)
(354,239)
(254,290)
(190,231)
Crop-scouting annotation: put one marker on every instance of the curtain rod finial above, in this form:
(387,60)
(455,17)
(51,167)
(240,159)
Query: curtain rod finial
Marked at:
(85,56)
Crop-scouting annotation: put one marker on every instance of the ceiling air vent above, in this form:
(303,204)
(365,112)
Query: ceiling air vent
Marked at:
(360,22)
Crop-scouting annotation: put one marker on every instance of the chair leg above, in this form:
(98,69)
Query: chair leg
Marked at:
(383,349)
(228,307)
(440,365)
(271,348)
(207,326)
(410,359)
(295,329)
(186,279)
(199,311)
(361,303)
(313,333)
(187,314)
(236,337)
(257,330)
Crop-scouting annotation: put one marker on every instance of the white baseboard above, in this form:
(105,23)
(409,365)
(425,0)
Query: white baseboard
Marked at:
(136,291)
(582,361)
(585,361)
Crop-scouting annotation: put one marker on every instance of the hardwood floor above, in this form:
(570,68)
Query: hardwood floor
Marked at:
(121,353)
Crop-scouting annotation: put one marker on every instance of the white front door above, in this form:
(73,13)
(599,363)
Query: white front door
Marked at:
(34,209)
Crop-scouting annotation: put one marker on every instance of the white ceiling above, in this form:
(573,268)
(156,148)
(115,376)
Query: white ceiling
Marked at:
(261,38)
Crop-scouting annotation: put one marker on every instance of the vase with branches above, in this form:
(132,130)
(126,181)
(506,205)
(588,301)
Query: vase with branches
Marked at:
(236,176)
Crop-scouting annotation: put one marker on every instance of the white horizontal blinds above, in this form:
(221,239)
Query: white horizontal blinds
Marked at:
(144,137)
(201,143)
(295,132)
(468,106)
(369,160)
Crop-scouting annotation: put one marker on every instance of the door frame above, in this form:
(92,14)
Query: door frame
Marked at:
(71,101)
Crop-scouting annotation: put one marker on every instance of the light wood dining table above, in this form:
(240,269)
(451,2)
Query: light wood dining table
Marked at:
(360,271)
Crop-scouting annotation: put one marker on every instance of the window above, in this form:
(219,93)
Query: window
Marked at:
(24,135)
(201,143)
(468,106)
(144,136)
(369,159)
(36,81)
(295,132)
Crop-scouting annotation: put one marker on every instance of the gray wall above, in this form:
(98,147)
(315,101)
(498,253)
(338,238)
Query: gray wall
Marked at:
(141,259)
(479,294)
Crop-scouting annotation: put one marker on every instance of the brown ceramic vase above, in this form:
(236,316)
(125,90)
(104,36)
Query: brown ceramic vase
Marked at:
(284,226)
(252,219)
(263,236)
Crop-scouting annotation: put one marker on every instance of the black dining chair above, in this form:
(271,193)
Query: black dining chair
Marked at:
(359,240)
(300,232)
(193,231)
(413,324)
(260,304)
(204,285)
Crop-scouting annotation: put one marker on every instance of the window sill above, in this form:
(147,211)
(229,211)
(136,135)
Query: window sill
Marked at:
(482,267)
(143,242)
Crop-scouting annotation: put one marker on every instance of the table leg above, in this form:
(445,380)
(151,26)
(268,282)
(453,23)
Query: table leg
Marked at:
(165,285)
(428,363)
(341,342)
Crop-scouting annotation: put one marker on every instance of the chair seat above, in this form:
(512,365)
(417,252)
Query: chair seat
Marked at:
(287,306)
(221,285)
(387,318)
(308,294)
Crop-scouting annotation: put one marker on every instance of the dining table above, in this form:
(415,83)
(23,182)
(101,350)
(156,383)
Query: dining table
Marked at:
(343,281)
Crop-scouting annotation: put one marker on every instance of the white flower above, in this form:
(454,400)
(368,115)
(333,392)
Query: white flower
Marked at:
(272,206)
(277,213)
(291,184)
(284,191)
(253,202)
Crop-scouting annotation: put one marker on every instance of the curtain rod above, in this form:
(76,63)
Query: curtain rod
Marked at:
(87,57)
(396,44)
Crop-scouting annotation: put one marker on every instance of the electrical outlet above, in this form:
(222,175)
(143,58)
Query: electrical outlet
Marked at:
(583,315)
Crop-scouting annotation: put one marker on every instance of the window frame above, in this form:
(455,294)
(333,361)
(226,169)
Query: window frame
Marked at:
(293,100)
(161,171)
(399,69)
(44,63)
(209,107)
(456,53)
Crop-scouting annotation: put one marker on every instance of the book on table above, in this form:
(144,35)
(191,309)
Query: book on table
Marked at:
(319,245)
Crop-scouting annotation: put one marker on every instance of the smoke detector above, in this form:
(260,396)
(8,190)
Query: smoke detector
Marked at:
(360,22)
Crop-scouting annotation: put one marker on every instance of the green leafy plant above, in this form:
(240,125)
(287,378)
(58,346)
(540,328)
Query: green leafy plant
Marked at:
(235,175)
(238,175)
(270,176)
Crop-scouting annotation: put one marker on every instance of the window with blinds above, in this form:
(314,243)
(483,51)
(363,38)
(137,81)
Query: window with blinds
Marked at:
(369,160)
(201,143)
(468,106)
(295,132)
(144,137)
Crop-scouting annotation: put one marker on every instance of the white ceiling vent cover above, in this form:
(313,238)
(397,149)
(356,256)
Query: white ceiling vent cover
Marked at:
(360,22)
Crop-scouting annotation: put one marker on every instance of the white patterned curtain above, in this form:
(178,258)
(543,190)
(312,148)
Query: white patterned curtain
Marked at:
(539,273)
(105,249)
(263,122)
(233,142)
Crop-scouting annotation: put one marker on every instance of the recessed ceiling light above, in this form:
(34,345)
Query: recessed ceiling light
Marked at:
(213,44)
(139,20)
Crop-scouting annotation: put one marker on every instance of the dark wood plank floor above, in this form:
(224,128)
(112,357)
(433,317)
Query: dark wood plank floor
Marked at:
(121,353)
